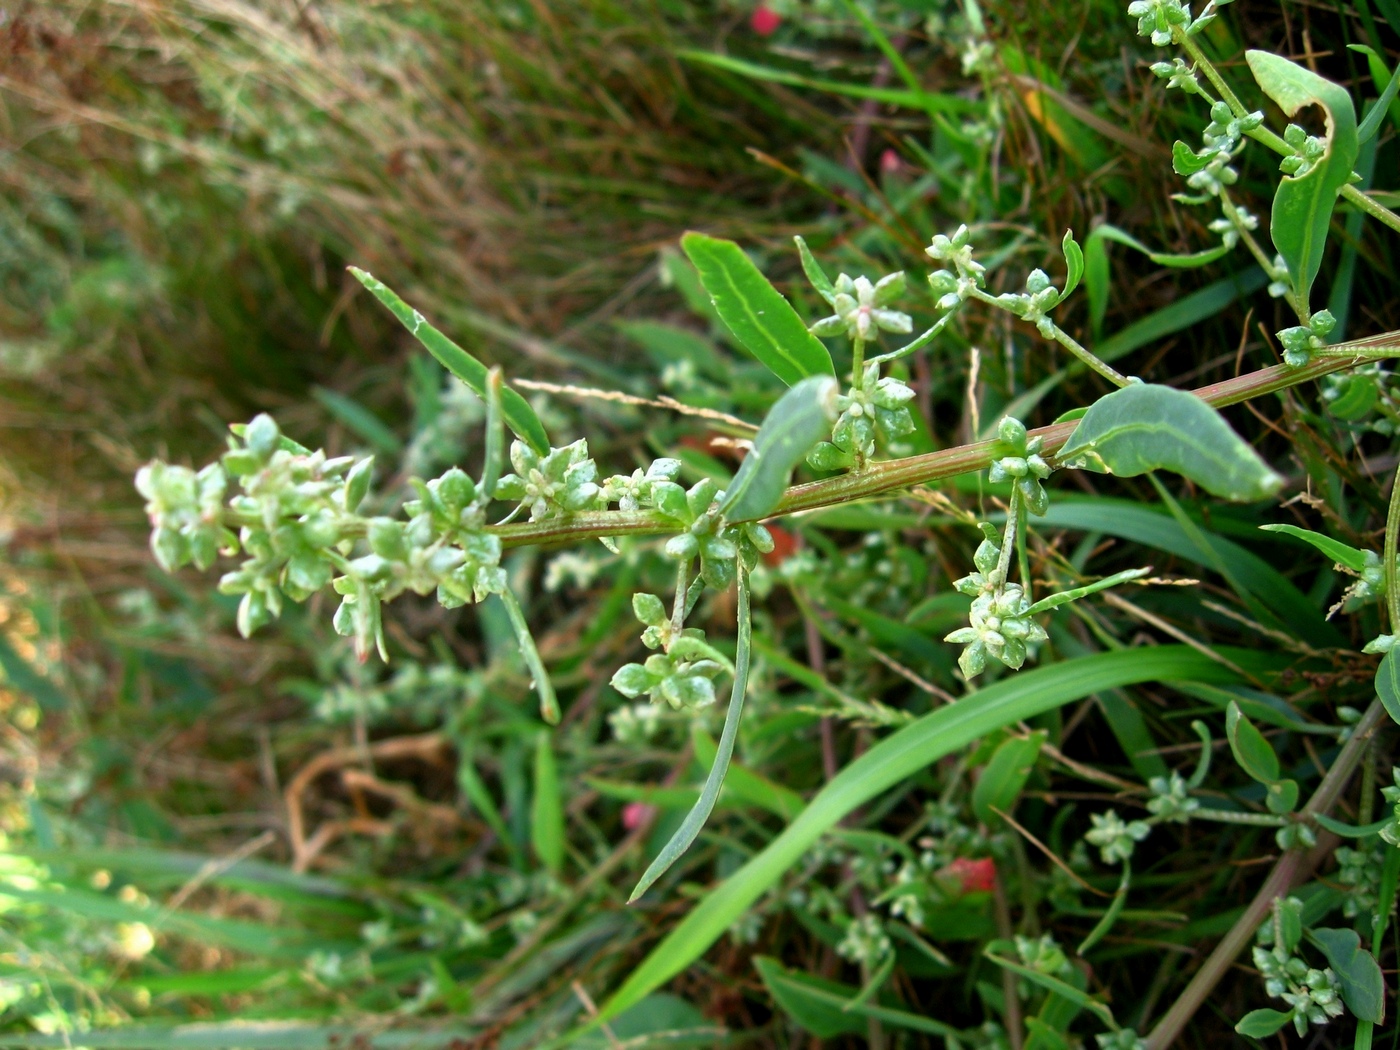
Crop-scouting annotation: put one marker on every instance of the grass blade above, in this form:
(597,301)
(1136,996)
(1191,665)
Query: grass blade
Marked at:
(891,761)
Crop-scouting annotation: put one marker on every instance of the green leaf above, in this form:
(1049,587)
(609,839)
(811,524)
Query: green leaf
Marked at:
(813,269)
(1256,757)
(758,315)
(1145,427)
(547,807)
(1052,984)
(1339,552)
(1185,160)
(1110,915)
(1363,987)
(1054,601)
(802,417)
(1302,211)
(689,830)
(1260,1024)
(519,416)
(824,1008)
(1388,685)
(1350,831)
(1004,776)
(892,761)
(1074,263)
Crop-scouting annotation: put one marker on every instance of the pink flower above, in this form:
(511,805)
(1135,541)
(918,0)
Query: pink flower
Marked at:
(635,814)
(764,21)
(890,162)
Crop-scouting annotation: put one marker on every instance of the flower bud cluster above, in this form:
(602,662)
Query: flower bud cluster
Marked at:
(1178,74)
(1360,871)
(1313,996)
(704,533)
(1032,305)
(1000,625)
(186,513)
(682,673)
(957,249)
(1307,151)
(1157,18)
(1170,803)
(1043,955)
(874,410)
(1223,137)
(635,491)
(1295,835)
(1229,228)
(1301,341)
(1115,838)
(561,482)
(1123,1039)
(866,942)
(862,308)
(1019,460)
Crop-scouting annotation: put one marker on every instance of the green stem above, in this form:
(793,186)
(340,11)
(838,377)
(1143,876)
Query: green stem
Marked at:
(1226,816)
(1274,142)
(679,609)
(919,342)
(549,704)
(857,362)
(1103,368)
(1292,866)
(1392,532)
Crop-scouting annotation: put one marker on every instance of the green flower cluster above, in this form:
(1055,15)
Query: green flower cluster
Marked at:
(862,309)
(1308,150)
(1157,18)
(1313,996)
(874,409)
(704,533)
(954,288)
(1170,803)
(1032,305)
(1115,838)
(1019,460)
(1000,625)
(561,482)
(1301,341)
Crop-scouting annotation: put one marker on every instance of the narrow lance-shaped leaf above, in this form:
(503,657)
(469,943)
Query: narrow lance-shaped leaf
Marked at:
(813,269)
(547,810)
(518,414)
(758,315)
(802,417)
(1260,1024)
(1339,552)
(1302,210)
(1145,427)
(689,830)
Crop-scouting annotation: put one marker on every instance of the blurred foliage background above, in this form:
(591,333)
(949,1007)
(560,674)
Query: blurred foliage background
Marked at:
(182,183)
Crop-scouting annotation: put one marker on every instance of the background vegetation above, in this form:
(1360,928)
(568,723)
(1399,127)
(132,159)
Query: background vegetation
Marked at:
(200,828)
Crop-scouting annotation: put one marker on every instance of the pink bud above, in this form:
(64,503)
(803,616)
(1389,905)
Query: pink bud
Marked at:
(635,814)
(890,162)
(764,21)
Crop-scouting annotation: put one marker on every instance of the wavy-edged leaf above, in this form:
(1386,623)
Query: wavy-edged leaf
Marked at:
(892,761)
(1302,209)
(756,312)
(519,416)
(1363,987)
(802,417)
(689,830)
(1144,427)
(1338,551)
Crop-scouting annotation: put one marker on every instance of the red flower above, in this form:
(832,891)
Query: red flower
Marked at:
(977,874)
(764,21)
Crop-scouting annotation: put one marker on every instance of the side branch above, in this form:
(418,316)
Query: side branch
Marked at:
(882,478)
